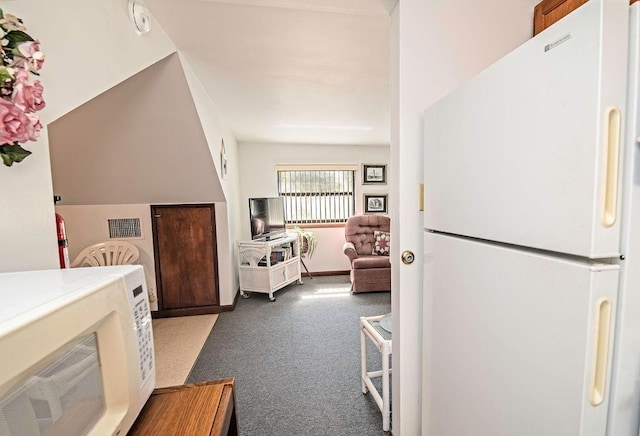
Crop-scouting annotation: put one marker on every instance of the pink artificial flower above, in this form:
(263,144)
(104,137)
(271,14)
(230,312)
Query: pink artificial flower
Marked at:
(27,49)
(36,61)
(15,125)
(36,126)
(27,96)
(29,54)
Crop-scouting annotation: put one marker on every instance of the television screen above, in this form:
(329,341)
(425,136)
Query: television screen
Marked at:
(267,218)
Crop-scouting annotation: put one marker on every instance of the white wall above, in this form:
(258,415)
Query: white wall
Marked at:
(83,42)
(258,179)
(28,236)
(107,152)
(227,214)
(90,46)
(125,147)
(139,142)
(436,45)
(87,225)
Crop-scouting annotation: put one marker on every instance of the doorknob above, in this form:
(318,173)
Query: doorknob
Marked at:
(408,257)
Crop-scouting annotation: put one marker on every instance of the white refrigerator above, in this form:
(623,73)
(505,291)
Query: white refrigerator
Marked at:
(531,310)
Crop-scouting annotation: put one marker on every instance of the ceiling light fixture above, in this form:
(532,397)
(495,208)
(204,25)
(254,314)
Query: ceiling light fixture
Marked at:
(139,16)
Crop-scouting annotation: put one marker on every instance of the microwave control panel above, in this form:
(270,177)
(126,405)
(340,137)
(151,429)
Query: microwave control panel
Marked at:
(142,317)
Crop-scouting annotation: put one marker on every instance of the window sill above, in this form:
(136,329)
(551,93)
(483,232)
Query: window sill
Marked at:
(316,226)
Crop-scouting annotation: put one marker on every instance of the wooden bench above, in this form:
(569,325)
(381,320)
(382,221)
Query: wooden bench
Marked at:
(206,408)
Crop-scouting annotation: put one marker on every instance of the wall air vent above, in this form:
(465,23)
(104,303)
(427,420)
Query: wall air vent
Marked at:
(125,228)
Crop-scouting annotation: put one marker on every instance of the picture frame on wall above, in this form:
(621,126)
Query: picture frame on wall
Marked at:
(375,203)
(223,160)
(374,174)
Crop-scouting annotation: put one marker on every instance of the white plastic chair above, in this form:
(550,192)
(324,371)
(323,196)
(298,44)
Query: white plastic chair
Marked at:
(107,254)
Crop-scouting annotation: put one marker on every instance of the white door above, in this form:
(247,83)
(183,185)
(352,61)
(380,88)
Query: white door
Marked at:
(426,64)
(515,343)
(527,151)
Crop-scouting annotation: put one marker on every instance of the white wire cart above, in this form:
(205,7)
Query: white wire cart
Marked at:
(370,328)
(266,266)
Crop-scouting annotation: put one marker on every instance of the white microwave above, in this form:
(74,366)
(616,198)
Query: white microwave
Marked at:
(76,349)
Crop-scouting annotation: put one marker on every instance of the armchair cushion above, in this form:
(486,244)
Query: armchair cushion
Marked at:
(371,261)
(381,243)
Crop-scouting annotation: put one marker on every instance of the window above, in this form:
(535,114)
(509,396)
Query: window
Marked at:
(318,195)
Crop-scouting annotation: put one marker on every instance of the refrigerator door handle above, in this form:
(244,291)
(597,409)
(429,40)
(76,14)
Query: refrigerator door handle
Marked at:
(611,165)
(601,351)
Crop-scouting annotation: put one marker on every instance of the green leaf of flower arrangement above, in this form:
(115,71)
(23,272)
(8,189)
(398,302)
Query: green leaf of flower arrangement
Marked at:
(13,153)
(4,75)
(17,37)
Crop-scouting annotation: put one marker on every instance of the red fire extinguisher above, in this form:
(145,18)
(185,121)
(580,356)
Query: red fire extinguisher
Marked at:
(63,244)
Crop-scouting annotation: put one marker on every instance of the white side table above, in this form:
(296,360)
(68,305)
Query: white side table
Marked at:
(370,328)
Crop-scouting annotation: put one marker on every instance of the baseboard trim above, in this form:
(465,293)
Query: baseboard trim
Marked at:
(314,273)
(326,273)
(235,301)
(206,310)
(189,311)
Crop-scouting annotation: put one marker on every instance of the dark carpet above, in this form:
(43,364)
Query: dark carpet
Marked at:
(296,361)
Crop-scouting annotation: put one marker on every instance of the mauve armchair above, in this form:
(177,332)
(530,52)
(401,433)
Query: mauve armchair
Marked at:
(369,272)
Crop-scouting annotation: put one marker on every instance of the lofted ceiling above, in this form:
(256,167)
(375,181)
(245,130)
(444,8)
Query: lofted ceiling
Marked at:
(289,71)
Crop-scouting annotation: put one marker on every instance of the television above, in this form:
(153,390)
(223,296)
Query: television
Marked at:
(267,218)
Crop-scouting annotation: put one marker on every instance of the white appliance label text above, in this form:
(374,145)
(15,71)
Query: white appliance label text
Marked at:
(556,43)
